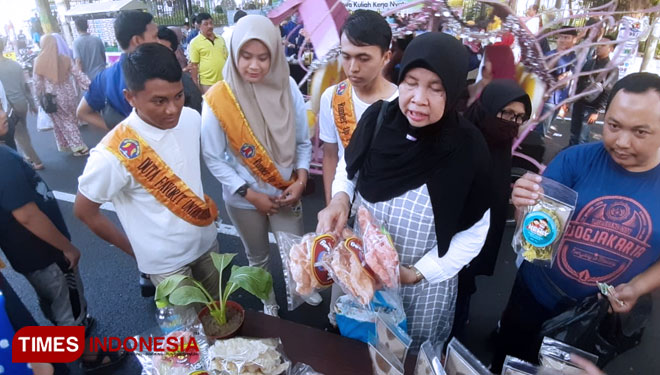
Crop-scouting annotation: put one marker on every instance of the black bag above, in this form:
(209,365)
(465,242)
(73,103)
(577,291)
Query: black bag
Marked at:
(590,327)
(48,103)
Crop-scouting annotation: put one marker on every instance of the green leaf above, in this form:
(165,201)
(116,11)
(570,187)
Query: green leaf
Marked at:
(167,286)
(230,288)
(221,261)
(255,280)
(188,294)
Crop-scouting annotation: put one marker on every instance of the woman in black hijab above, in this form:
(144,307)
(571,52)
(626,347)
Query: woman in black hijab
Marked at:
(424,174)
(500,110)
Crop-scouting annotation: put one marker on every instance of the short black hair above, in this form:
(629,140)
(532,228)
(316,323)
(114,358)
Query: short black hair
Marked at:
(239,14)
(567,30)
(637,83)
(166,33)
(81,25)
(130,23)
(150,61)
(203,16)
(368,28)
(186,24)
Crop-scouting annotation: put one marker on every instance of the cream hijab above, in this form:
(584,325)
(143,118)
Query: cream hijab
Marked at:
(50,64)
(267,105)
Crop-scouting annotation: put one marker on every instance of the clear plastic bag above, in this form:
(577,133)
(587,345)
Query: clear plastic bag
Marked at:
(383,362)
(392,337)
(556,355)
(543,224)
(302,369)
(44,122)
(304,273)
(243,356)
(460,360)
(187,358)
(358,322)
(428,361)
(379,252)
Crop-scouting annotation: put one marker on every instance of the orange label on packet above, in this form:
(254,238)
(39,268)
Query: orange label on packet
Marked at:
(354,245)
(321,245)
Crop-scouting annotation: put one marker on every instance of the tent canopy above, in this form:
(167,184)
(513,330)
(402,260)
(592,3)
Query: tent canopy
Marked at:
(106,7)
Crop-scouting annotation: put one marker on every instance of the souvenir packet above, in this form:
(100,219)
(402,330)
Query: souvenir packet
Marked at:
(392,337)
(460,361)
(542,226)
(383,361)
(515,366)
(556,355)
(428,362)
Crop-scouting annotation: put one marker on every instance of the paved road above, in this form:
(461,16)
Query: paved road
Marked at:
(113,292)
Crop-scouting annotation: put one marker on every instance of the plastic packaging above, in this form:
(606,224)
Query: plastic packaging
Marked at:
(304,273)
(392,337)
(428,361)
(515,366)
(348,268)
(359,322)
(170,318)
(379,252)
(383,361)
(556,355)
(303,369)
(461,361)
(187,359)
(242,356)
(543,224)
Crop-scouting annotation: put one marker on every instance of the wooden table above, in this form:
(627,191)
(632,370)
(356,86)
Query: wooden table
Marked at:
(327,353)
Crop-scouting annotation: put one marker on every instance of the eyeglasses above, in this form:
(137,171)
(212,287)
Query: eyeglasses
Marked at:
(518,118)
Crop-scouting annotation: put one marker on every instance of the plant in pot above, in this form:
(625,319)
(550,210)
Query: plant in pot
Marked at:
(220,319)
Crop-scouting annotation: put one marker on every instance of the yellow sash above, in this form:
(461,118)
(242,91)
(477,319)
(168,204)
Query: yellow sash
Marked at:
(344,112)
(157,178)
(240,135)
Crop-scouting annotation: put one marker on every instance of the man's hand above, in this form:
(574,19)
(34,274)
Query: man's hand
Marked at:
(263,203)
(586,365)
(72,256)
(592,118)
(627,294)
(526,190)
(334,217)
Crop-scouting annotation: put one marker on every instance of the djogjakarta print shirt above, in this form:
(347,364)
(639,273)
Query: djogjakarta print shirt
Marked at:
(611,237)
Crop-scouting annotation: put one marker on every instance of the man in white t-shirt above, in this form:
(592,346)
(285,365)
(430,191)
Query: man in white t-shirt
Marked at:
(365,41)
(149,168)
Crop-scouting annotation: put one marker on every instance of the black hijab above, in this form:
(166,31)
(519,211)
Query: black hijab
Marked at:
(449,156)
(499,135)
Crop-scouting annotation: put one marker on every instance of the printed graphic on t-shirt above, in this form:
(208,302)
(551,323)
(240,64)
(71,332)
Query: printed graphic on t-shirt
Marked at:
(604,239)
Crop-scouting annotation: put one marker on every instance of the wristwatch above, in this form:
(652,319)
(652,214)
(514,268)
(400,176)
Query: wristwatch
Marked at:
(418,275)
(242,191)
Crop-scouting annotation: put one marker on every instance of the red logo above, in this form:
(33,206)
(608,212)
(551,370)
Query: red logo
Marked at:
(247,151)
(48,344)
(130,148)
(341,87)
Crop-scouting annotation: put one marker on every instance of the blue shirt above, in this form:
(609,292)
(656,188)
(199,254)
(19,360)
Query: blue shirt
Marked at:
(108,87)
(193,33)
(565,64)
(20,185)
(611,237)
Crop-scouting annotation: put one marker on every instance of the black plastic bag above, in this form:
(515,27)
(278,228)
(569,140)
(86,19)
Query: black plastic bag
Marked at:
(590,327)
(48,103)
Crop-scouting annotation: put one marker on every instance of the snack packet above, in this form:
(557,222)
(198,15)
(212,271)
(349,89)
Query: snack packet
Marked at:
(392,337)
(428,361)
(189,356)
(304,272)
(379,252)
(459,360)
(383,362)
(556,355)
(303,369)
(543,224)
(515,366)
(348,268)
(243,356)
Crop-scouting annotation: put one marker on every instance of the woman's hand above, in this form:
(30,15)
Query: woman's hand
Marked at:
(263,203)
(334,217)
(294,192)
(526,190)
(407,276)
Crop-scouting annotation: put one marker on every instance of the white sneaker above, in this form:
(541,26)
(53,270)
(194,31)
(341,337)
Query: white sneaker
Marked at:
(272,310)
(314,299)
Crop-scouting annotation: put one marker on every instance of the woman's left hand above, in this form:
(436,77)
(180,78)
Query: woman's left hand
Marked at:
(407,276)
(291,195)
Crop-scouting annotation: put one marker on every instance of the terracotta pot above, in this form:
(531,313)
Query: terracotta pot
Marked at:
(235,317)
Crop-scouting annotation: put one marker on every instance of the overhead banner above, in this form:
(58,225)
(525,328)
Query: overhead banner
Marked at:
(377,5)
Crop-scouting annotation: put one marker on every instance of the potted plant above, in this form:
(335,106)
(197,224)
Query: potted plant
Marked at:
(220,319)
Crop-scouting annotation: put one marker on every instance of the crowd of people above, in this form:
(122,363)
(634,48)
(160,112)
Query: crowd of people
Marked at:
(427,154)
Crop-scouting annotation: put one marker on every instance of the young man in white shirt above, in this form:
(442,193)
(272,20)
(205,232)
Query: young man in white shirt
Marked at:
(149,168)
(365,43)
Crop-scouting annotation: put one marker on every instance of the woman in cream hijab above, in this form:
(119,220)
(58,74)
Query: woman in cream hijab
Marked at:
(254,128)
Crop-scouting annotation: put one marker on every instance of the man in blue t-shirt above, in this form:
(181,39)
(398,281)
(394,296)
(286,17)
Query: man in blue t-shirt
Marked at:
(104,105)
(611,236)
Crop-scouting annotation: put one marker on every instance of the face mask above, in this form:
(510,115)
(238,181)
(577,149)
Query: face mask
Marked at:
(498,131)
